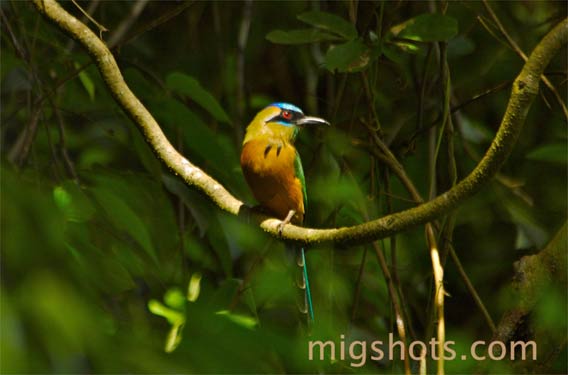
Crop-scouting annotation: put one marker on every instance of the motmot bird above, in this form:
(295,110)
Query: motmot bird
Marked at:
(273,170)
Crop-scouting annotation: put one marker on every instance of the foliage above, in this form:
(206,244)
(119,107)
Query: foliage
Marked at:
(112,264)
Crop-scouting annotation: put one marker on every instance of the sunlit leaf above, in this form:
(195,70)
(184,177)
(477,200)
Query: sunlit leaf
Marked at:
(429,27)
(62,198)
(330,22)
(173,317)
(409,47)
(194,287)
(73,202)
(86,81)
(174,338)
(174,298)
(189,86)
(302,36)
(242,320)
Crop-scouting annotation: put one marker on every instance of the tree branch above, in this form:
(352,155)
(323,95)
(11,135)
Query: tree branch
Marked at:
(524,90)
(537,276)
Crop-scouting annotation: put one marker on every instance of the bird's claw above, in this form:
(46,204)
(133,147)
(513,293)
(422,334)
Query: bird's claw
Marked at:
(286,221)
(280,228)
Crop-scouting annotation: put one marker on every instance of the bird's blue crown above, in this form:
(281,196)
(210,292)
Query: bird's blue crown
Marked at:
(287,106)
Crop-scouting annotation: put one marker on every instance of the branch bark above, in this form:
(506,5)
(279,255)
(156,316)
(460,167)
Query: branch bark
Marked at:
(536,277)
(524,90)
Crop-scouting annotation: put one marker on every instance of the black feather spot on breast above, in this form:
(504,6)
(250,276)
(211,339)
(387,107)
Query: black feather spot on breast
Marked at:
(267,150)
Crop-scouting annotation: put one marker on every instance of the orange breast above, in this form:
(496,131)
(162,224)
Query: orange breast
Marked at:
(269,171)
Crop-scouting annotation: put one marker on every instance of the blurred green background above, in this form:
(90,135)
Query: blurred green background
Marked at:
(111,264)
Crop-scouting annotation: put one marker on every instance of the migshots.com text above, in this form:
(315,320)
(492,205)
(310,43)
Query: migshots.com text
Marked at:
(357,352)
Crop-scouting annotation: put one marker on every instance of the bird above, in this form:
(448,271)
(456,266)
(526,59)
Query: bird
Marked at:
(273,170)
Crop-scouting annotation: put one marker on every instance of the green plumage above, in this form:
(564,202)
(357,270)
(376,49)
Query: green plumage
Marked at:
(300,174)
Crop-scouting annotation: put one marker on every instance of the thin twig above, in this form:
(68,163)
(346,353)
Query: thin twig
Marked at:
(390,160)
(62,143)
(248,275)
(471,289)
(163,18)
(438,295)
(93,5)
(448,129)
(242,40)
(358,285)
(127,22)
(371,101)
(90,18)
(394,263)
(20,151)
(399,318)
(511,42)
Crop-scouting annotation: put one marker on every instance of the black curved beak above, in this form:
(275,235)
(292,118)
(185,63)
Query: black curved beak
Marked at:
(310,120)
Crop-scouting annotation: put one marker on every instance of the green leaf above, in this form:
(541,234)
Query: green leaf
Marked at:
(552,153)
(430,27)
(62,199)
(174,298)
(173,317)
(349,57)
(194,287)
(301,36)
(86,81)
(409,47)
(393,53)
(146,199)
(186,85)
(460,46)
(330,22)
(241,320)
(124,218)
(74,204)
(216,149)
(144,152)
(174,338)
(189,199)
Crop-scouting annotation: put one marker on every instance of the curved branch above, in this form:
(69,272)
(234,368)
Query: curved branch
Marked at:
(524,90)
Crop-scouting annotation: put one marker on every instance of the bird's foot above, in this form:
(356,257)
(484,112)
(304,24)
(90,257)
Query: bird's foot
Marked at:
(286,221)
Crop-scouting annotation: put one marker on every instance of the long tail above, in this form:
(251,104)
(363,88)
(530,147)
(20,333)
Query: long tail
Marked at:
(305,285)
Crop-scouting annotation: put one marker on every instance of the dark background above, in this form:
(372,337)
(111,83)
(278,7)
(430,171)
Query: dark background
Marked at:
(102,245)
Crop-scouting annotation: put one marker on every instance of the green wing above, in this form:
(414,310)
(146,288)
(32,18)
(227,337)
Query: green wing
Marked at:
(300,174)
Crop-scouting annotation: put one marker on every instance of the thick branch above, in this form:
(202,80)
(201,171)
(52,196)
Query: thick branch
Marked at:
(524,90)
(536,277)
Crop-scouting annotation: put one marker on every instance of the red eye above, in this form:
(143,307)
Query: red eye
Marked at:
(287,115)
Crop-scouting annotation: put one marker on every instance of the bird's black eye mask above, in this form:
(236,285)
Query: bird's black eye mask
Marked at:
(286,117)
